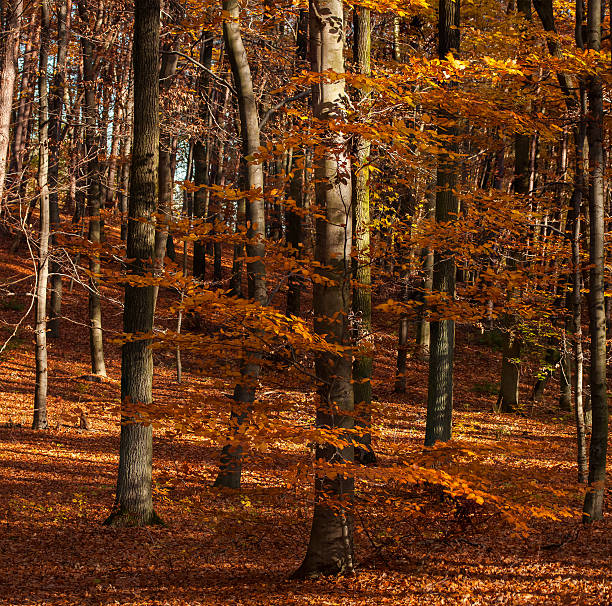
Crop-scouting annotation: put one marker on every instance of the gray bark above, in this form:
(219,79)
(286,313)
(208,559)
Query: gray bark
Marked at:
(133,501)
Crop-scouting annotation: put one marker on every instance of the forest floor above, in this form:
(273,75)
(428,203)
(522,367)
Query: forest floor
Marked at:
(226,548)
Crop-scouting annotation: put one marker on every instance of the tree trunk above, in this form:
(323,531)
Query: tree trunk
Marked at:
(362,291)
(330,549)
(427,261)
(8,70)
(167,152)
(133,501)
(230,467)
(40,390)
(295,232)
(94,194)
(56,106)
(593,504)
(201,156)
(576,295)
(442,331)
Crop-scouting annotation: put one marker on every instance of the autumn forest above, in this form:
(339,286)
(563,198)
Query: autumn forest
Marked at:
(305,302)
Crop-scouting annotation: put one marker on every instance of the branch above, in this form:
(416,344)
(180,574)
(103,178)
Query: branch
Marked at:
(208,71)
(275,108)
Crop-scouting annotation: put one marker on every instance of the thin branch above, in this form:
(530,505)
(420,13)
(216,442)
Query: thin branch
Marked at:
(275,108)
(203,67)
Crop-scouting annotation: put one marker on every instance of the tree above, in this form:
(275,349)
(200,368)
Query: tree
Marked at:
(362,294)
(593,503)
(442,331)
(133,500)
(40,330)
(94,190)
(330,549)
(252,176)
(9,50)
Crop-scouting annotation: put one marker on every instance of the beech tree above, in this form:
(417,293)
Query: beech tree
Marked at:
(133,500)
(442,331)
(593,503)
(330,549)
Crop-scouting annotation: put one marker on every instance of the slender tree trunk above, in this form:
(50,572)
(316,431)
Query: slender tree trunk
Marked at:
(427,261)
(56,107)
(362,293)
(125,173)
(330,549)
(167,152)
(133,501)
(576,295)
(40,390)
(201,156)
(21,127)
(230,468)
(523,175)
(94,194)
(442,331)
(8,70)
(295,232)
(593,504)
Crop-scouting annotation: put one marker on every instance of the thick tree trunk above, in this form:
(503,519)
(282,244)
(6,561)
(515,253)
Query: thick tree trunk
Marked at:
(133,501)
(230,468)
(8,70)
(442,331)
(40,390)
(593,504)
(330,549)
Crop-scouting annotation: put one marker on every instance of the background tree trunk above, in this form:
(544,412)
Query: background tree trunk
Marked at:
(8,70)
(94,194)
(230,468)
(362,292)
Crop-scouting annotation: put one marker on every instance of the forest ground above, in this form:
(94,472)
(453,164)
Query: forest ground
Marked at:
(222,548)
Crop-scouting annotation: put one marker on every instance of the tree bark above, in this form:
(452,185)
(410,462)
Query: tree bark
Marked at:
(230,468)
(593,504)
(94,194)
(133,501)
(40,390)
(362,291)
(330,549)
(442,331)
(56,104)
(8,70)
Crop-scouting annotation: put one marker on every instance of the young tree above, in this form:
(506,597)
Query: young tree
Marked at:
(94,186)
(133,501)
(330,549)
(253,179)
(362,294)
(40,330)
